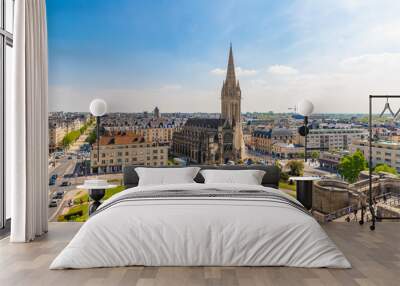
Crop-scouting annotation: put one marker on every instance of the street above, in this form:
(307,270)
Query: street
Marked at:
(65,169)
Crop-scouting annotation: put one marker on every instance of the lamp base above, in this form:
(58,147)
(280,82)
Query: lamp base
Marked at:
(96,195)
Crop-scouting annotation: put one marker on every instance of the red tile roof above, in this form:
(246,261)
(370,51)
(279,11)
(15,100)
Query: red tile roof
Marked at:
(120,139)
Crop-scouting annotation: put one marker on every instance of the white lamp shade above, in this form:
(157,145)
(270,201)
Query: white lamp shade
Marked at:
(305,107)
(98,107)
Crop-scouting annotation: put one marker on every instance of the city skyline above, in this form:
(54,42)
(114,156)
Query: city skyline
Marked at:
(334,53)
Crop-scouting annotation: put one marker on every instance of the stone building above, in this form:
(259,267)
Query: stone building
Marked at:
(287,150)
(263,140)
(331,160)
(215,140)
(153,130)
(383,152)
(205,141)
(57,131)
(332,197)
(331,139)
(119,151)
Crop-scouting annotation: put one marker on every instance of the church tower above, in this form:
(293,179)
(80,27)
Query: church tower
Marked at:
(231,96)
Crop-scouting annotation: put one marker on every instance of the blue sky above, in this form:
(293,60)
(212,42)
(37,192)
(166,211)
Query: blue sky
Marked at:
(139,54)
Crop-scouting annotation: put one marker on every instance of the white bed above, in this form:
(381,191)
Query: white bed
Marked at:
(202,231)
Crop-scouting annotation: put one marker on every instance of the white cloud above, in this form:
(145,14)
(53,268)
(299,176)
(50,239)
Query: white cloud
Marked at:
(239,72)
(282,70)
(382,63)
(386,32)
(218,71)
(341,87)
(245,72)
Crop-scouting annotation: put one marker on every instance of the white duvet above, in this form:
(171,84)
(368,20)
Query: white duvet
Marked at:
(202,232)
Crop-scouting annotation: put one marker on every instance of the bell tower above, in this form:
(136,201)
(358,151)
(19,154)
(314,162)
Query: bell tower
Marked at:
(231,96)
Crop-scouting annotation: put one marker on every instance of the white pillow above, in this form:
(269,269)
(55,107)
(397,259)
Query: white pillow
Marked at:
(166,176)
(248,177)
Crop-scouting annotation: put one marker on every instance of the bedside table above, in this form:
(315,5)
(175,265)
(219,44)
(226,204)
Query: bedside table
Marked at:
(304,189)
(96,190)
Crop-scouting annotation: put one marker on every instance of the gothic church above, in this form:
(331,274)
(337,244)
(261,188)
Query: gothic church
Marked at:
(215,140)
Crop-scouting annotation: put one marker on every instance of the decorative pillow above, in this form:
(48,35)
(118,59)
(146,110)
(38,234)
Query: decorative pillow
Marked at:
(166,176)
(248,177)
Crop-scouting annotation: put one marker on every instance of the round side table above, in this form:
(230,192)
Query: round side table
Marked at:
(96,190)
(304,190)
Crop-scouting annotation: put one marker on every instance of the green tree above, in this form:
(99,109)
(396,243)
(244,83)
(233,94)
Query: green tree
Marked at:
(385,168)
(92,137)
(315,155)
(70,138)
(296,167)
(350,166)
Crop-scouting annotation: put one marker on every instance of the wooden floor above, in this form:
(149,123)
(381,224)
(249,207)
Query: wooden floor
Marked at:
(375,257)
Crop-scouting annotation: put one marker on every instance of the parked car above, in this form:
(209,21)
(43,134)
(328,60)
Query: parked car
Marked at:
(53,203)
(65,184)
(69,157)
(58,195)
(52,182)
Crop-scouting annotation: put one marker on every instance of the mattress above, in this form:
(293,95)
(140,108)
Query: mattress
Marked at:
(201,225)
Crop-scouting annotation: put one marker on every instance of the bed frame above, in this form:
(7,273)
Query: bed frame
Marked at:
(270,179)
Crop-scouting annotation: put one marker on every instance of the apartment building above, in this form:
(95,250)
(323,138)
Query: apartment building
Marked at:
(56,135)
(153,130)
(121,150)
(383,152)
(60,124)
(331,139)
(331,160)
(287,150)
(154,135)
(263,140)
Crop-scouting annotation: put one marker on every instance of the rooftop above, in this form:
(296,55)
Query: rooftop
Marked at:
(273,132)
(205,122)
(380,142)
(338,130)
(120,140)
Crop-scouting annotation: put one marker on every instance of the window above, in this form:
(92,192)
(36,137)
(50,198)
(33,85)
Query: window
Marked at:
(6,43)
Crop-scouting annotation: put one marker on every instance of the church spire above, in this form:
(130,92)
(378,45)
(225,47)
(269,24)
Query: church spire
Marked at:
(230,73)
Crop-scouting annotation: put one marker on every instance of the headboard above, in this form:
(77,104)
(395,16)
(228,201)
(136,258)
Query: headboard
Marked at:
(270,179)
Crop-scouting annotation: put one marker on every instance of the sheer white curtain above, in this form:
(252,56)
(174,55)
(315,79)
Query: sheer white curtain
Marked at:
(27,123)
